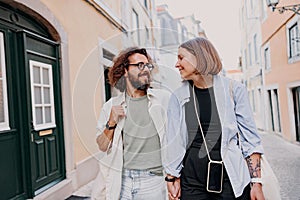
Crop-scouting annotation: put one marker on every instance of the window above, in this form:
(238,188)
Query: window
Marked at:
(184,34)
(107,58)
(267,58)
(147,35)
(296,104)
(135,27)
(274,112)
(294,41)
(251,5)
(107,85)
(146,4)
(263,9)
(4,118)
(253,100)
(277,110)
(250,56)
(107,54)
(42,95)
(246,60)
(271,110)
(255,48)
(242,18)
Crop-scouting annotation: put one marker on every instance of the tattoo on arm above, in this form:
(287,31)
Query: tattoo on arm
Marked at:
(254,167)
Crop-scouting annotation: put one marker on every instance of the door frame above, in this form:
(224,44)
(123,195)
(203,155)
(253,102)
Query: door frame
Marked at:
(27,110)
(291,108)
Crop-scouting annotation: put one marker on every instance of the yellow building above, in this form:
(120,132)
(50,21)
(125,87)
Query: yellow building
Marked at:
(53,57)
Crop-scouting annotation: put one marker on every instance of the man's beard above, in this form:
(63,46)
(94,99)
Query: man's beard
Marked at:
(137,84)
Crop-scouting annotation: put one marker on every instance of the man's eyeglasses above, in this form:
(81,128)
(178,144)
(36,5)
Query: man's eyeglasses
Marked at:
(142,66)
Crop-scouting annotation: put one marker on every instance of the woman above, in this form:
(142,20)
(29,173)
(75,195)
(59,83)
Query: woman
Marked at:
(204,157)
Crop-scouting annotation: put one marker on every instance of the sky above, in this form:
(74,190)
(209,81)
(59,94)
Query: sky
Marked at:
(219,19)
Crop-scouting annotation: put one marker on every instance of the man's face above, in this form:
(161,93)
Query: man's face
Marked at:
(139,79)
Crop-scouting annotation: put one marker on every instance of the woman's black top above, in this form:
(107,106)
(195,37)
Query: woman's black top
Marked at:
(194,172)
(209,118)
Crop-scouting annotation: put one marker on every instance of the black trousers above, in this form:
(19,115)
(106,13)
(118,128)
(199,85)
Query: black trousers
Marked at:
(194,175)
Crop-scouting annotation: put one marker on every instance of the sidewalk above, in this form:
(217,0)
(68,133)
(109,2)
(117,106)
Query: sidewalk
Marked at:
(83,193)
(284,158)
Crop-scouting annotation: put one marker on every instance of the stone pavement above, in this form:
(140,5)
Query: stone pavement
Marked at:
(284,158)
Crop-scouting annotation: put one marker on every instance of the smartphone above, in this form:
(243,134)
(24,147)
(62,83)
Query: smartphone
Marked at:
(214,176)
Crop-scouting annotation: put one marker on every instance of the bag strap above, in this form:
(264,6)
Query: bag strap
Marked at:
(198,119)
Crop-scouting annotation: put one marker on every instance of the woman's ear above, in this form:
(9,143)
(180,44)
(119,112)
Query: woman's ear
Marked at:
(196,72)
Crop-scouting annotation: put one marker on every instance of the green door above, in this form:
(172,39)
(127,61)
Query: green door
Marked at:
(42,109)
(12,151)
(31,123)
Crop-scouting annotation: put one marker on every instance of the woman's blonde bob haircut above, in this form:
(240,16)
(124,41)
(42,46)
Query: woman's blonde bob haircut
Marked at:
(207,57)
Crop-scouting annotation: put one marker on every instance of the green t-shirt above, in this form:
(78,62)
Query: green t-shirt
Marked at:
(140,138)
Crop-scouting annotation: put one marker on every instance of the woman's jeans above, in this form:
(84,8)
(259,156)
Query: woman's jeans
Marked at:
(142,185)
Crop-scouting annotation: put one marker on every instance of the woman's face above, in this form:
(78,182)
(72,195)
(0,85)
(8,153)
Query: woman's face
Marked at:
(186,64)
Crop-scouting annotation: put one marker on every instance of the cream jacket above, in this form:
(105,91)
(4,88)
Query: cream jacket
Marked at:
(108,182)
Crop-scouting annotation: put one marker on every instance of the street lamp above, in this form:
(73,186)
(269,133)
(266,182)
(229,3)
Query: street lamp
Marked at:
(273,3)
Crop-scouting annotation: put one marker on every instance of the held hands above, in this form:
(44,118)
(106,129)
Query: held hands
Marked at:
(174,190)
(256,192)
(116,113)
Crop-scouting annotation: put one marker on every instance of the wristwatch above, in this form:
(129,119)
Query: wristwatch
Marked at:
(170,179)
(110,127)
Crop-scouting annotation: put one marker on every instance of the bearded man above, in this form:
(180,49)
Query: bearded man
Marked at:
(131,130)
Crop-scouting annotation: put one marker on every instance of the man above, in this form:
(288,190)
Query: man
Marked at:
(131,131)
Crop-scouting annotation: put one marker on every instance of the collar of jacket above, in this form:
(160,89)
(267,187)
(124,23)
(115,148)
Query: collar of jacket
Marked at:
(183,94)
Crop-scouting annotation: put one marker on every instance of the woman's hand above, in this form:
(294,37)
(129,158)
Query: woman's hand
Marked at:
(174,190)
(256,192)
(254,167)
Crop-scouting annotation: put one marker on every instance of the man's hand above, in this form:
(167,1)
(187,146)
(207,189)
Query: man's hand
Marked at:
(103,140)
(256,192)
(116,113)
(174,190)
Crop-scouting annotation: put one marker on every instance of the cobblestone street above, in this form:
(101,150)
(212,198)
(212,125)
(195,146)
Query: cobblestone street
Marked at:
(284,158)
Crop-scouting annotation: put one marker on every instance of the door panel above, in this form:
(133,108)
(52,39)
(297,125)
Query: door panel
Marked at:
(10,167)
(40,172)
(52,155)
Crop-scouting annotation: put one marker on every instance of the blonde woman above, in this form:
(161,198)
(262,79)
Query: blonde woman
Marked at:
(204,159)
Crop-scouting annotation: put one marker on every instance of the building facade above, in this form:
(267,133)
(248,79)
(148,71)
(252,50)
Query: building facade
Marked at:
(251,17)
(55,56)
(281,50)
(171,33)
(52,59)
(272,80)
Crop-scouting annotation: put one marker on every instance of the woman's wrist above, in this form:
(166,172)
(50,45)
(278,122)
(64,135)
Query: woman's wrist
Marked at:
(256,180)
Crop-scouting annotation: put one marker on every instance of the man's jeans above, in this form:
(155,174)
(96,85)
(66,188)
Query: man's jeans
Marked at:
(142,185)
